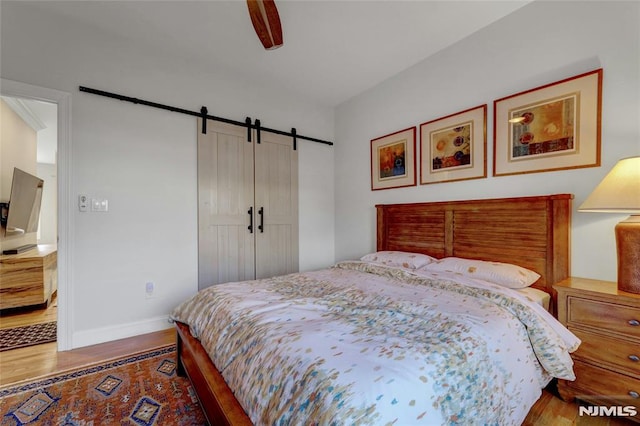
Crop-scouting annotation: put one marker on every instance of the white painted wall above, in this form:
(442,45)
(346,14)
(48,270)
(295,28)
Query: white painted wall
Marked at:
(541,43)
(143,161)
(18,145)
(48,229)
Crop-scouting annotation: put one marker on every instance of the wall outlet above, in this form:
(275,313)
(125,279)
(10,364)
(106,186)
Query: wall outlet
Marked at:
(149,288)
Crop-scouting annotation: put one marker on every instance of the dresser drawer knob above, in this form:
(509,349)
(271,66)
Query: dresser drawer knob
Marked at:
(634,394)
(634,322)
(634,358)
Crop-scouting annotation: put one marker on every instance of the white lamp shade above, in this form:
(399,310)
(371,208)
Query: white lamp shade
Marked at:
(619,191)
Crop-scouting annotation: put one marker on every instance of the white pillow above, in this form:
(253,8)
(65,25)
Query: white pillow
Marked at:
(398,259)
(504,274)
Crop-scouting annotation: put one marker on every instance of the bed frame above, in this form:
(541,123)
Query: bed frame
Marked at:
(533,232)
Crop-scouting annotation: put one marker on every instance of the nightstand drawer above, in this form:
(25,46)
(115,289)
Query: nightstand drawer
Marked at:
(604,315)
(619,354)
(605,383)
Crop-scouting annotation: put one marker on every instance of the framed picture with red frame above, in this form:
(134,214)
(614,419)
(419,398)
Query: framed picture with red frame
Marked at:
(393,160)
(454,147)
(552,127)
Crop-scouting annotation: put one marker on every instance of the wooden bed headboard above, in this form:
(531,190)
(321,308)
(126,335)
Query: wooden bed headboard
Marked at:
(533,232)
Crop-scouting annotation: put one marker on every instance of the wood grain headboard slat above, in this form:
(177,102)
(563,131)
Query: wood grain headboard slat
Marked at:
(532,232)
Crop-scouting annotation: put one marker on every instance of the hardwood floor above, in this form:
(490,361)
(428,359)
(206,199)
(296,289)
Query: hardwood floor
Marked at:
(39,360)
(550,410)
(35,361)
(10,318)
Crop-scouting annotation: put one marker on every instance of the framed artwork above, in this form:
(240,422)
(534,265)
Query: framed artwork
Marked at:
(552,127)
(393,160)
(454,147)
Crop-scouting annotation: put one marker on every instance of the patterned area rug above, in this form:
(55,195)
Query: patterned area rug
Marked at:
(140,390)
(28,335)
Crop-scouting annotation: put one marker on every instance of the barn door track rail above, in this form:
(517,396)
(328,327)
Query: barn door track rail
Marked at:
(204,114)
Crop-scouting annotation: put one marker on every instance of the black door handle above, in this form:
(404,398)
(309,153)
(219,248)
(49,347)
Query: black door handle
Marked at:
(261,213)
(250,227)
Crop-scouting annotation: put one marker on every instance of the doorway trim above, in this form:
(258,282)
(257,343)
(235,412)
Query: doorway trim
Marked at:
(65,230)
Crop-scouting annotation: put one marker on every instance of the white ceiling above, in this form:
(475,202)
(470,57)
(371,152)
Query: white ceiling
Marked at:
(47,137)
(42,117)
(333,50)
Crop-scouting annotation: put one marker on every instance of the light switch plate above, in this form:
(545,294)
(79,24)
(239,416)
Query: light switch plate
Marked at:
(83,203)
(99,205)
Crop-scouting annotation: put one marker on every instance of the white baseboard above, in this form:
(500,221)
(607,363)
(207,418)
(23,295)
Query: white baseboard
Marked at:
(121,331)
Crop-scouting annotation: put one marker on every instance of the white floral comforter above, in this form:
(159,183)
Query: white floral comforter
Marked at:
(365,344)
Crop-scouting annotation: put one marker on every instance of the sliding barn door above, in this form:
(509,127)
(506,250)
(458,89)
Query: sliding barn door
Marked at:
(247,205)
(226,246)
(276,200)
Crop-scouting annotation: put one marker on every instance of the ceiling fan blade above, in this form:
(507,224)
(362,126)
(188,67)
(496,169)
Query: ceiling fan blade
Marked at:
(266,21)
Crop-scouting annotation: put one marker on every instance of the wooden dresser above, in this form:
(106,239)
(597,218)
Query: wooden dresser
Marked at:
(28,278)
(607,363)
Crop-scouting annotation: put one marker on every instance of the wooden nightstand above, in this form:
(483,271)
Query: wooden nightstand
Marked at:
(607,363)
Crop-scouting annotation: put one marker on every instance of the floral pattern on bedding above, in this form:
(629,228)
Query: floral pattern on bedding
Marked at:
(367,344)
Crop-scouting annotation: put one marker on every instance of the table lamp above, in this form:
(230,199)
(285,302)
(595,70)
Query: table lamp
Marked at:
(619,192)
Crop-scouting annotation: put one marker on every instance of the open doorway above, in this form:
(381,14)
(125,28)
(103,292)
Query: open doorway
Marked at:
(55,226)
(28,284)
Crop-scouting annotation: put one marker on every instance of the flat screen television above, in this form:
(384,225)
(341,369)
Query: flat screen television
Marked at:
(21,214)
